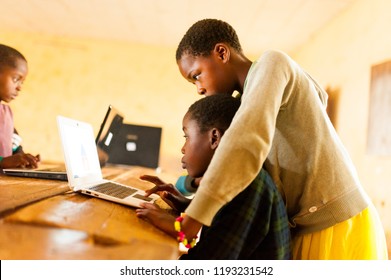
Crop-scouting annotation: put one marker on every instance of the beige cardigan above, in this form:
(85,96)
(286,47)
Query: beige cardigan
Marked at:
(282,123)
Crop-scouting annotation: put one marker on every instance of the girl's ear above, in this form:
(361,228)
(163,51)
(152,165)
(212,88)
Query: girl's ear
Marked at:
(215,137)
(222,51)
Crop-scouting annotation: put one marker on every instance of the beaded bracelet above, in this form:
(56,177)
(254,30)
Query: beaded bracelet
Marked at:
(181,235)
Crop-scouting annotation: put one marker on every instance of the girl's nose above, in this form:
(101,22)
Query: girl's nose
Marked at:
(183,149)
(201,91)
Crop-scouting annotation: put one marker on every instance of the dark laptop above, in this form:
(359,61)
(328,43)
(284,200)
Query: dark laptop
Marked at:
(109,128)
(108,131)
(44,171)
(136,145)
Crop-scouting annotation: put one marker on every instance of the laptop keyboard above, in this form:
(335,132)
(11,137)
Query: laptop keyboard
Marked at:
(113,189)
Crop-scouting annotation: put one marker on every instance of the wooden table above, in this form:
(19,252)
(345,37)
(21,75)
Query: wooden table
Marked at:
(44,219)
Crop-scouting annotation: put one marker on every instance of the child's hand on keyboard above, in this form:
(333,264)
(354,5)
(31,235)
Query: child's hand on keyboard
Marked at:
(167,192)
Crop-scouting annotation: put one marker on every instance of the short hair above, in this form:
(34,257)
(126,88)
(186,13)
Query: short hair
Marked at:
(9,56)
(214,111)
(202,37)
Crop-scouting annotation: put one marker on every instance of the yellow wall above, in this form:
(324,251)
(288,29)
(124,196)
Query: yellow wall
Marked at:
(341,56)
(79,78)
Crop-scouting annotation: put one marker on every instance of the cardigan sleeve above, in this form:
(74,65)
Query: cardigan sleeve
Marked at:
(247,142)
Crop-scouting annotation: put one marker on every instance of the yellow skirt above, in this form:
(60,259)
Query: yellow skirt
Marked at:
(359,238)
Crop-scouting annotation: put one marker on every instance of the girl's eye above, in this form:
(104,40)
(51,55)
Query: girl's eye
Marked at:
(17,80)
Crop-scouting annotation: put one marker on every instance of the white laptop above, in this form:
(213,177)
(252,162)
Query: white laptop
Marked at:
(83,168)
(109,130)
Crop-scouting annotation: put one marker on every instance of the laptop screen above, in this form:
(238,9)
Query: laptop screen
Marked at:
(109,128)
(136,145)
(80,152)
